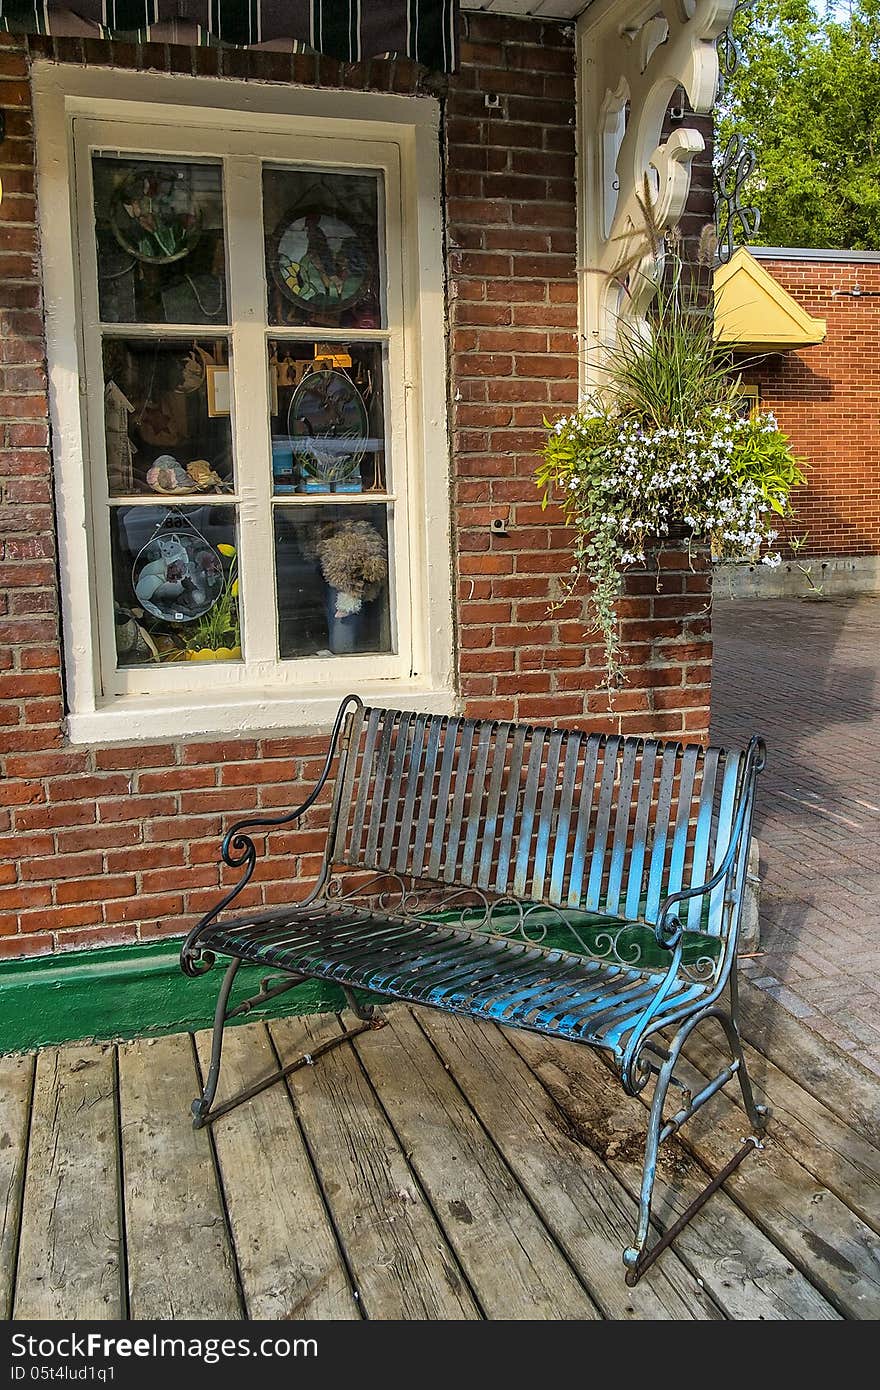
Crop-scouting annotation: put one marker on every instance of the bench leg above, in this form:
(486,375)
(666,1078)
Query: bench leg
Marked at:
(635,1258)
(204,1112)
(201,1106)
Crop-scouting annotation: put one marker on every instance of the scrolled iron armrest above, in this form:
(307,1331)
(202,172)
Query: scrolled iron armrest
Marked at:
(238,851)
(756,757)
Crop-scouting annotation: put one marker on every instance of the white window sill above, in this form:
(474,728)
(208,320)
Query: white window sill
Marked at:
(136,719)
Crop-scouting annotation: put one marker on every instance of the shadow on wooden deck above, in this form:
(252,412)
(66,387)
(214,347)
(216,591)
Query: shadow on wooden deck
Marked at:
(436,1168)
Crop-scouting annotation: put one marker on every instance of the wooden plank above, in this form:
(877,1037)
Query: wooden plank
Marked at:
(401,1261)
(288,1258)
(589,1213)
(69,1256)
(514,1267)
(834,1079)
(831,1149)
(834,1249)
(180,1262)
(16,1083)
(739,1265)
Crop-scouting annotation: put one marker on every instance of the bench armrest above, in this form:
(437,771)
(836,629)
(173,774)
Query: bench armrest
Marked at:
(669,929)
(238,850)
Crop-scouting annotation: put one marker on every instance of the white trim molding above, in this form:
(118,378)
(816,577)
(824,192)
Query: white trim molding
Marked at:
(632,56)
(78,110)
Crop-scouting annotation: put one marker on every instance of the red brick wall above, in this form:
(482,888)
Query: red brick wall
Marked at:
(114,844)
(827,398)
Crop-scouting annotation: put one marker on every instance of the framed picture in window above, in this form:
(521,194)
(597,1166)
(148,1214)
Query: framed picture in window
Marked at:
(219,388)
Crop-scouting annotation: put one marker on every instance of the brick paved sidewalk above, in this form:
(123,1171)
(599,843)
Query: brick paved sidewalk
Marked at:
(807,676)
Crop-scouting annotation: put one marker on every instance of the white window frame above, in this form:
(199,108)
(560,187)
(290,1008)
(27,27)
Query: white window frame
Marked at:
(77,111)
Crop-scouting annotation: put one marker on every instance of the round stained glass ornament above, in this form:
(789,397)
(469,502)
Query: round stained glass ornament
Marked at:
(328,427)
(321,262)
(177,576)
(153,215)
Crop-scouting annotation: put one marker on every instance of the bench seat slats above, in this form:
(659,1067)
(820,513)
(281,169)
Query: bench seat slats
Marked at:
(520,985)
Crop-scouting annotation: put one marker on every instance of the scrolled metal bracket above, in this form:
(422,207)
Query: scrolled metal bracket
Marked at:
(736,221)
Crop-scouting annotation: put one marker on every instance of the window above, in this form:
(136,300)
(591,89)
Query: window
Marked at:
(264,499)
(748,398)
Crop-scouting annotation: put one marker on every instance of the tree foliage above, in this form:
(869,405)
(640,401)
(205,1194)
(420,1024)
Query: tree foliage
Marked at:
(806,97)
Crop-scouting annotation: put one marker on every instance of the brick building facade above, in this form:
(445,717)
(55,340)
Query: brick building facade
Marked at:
(118,844)
(827,397)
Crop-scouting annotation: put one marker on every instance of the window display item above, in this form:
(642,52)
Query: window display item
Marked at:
(205,477)
(154,217)
(321,262)
(177,576)
(328,428)
(167,475)
(120,450)
(196,299)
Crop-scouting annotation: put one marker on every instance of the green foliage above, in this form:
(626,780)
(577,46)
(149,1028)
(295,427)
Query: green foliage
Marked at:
(219,627)
(806,98)
(764,457)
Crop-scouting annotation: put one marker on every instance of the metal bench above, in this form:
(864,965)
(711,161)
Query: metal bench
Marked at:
(583,886)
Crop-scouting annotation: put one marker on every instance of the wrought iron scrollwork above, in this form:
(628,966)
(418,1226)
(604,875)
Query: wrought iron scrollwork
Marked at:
(542,924)
(736,221)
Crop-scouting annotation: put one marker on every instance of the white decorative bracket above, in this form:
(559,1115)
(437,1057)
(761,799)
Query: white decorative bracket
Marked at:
(632,57)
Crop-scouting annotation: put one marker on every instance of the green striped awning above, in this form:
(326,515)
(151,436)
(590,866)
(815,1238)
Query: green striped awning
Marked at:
(350,30)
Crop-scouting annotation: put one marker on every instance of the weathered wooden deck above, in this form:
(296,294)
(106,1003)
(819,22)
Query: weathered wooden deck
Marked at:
(435,1168)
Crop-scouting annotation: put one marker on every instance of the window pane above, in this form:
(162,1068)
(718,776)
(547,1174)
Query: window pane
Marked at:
(332,580)
(328,418)
(323,237)
(159,229)
(167,422)
(175,584)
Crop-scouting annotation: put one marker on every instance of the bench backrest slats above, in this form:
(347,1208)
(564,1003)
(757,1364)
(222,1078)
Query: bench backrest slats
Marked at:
(493,804)
(684,811)
(578,862)
(726,813)
(632,903)
(511,802)
(472,828)
(409,805)
(462,770)
(603,821)
(702,834)
(668,761)
(527,815)
(631,751)
(573,753)
(546,828)
(417,851)
(589,821)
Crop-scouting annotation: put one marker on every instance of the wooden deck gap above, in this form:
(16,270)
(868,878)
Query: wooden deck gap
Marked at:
(124,1299)
(331,1219)
(221,1190)
(25,1166)
(576,1273)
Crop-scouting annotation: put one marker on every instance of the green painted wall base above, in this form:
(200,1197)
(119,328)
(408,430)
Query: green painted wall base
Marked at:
(128,992)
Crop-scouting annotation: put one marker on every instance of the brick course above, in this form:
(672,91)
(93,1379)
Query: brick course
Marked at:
(107,845)
(827,399)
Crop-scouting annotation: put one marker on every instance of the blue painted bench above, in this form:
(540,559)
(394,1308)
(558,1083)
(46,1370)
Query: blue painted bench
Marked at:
(583,886)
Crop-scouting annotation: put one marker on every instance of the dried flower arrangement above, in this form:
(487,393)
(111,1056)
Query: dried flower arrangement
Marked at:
(354,562)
